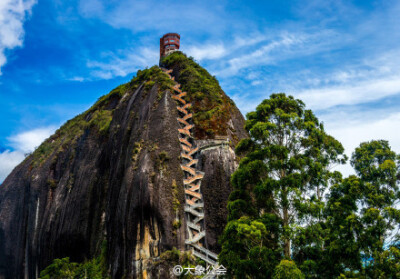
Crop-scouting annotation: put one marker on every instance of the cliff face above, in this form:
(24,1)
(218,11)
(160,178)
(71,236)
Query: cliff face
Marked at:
(112,176)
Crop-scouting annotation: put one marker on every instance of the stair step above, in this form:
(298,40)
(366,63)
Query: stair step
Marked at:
(188,169)
(192,162)
(187,116)
(194,187)
(183,121)
(185,132)
(207,260)
(205,251)
(193,178)
(188,105)
(194,212)
(193,194)
(193,151)
(193,226)
(197,238)
(186,156)
(179,99)
(181,109)
(182,140)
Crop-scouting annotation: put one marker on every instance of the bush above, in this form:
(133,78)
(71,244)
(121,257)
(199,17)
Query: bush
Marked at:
(64,269)
(287,270)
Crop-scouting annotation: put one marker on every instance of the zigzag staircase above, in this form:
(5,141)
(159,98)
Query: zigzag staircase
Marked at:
(194,206)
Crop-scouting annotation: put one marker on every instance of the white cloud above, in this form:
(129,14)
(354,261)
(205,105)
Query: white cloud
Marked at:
(250,53)
(156,15)
(206,51)
(77,78)
(370,80)
(21,143)
(249,40)
(354,127)
(29,140)
(365,81)
(122,64)
(260,55)
(12,16)
(349,94)
(8,161)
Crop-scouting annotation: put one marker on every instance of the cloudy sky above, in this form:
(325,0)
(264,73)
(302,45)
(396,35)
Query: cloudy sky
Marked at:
(342,58)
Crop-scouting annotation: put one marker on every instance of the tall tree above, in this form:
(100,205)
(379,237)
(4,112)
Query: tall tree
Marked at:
(342,253)
(284,172)
(378,169)
(362,221)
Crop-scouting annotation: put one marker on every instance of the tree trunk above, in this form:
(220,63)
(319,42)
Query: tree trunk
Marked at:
(286,247)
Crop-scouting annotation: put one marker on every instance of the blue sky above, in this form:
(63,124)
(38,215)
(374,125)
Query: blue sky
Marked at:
(342,58)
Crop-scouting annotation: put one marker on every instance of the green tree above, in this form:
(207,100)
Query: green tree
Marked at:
(60,268)
(282,177)
(92,269)
(249,248)
(342,253)
(287,270)
(64,269)
(361,218)
(378,169)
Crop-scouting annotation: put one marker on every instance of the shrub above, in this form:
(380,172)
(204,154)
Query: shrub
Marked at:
(287,270)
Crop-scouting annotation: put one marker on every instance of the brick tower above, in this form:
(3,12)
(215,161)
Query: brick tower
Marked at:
(170,42)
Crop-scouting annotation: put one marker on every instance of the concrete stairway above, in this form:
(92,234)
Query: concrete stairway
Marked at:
(194,205)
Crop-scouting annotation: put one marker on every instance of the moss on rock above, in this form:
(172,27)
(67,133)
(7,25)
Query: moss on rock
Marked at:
(212,108)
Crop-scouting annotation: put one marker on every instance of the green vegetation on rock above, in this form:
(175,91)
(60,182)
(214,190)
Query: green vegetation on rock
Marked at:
(100,115)
(150,77)
(64,269)
(175,191)
(211,106)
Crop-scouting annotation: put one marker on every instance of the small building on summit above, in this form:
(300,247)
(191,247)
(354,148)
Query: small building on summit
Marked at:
(169,43)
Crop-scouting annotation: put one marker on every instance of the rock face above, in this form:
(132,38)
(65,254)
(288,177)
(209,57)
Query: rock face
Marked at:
(112,175)
(218,161)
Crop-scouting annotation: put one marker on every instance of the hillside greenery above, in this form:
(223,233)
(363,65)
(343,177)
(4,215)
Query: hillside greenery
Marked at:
(211,106)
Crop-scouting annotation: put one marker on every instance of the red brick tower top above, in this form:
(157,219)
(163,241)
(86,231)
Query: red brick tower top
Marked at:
(170,42)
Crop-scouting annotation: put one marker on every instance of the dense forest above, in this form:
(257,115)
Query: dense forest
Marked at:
(292,216)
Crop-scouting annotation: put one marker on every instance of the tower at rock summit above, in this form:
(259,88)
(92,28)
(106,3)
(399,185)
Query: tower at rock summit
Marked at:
(169,43)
